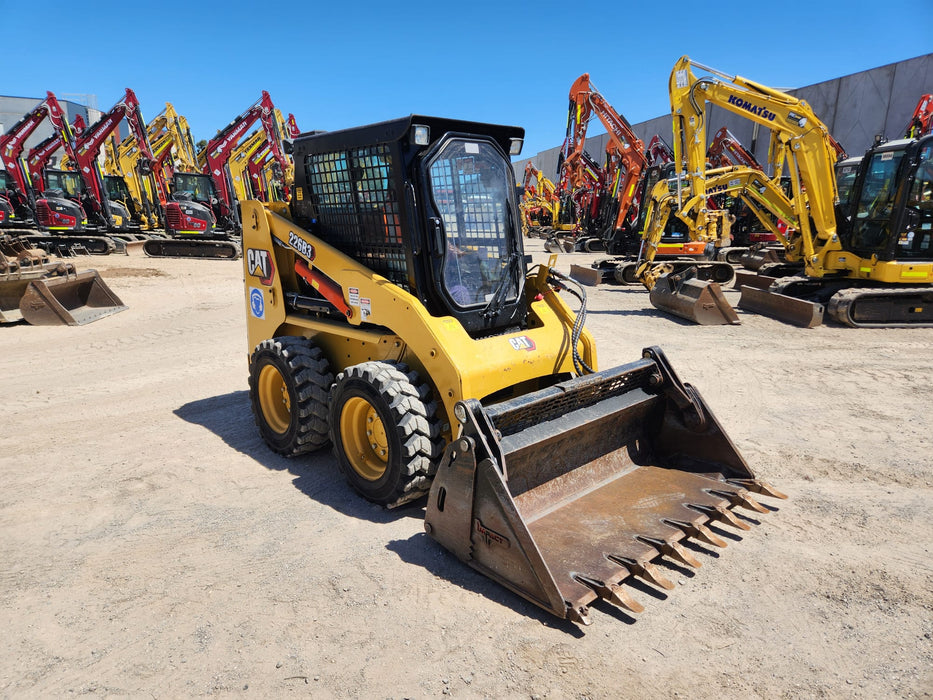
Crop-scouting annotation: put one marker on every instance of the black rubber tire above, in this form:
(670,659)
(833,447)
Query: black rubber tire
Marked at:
(299,426)
(407,431)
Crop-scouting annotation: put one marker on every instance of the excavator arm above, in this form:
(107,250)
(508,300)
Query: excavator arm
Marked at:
(658,152)
(799,140)
(40,154)
(921,122)
(220,149)
(725,150)
(625,151)
(13,142)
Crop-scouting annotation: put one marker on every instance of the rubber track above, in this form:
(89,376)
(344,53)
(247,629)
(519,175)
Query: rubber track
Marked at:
(843,306)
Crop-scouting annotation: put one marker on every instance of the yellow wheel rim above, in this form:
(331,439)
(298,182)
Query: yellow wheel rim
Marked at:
(274,400)
(364,438)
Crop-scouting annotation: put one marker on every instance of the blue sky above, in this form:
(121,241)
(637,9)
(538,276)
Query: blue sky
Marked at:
(341,64)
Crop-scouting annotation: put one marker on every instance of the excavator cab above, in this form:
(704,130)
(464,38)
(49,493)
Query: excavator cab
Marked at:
(60,208)
(190,212)
(892,216)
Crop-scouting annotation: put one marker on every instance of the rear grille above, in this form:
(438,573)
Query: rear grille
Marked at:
(173,217)
(43,213)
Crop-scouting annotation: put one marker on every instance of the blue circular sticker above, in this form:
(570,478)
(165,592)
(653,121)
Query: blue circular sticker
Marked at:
(256,303)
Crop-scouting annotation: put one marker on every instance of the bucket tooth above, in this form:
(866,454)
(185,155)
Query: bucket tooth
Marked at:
(645,570)
(758,486)
(674,550)
(722,514)
(738,498)
(611,593)
(699,532)
(579,615)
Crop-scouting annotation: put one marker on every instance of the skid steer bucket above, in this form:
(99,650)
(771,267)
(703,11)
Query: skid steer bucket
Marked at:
(681,294)
(72,299)
(562,494)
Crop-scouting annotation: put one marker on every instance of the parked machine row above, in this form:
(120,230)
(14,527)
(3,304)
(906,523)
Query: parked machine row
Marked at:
(151,191)
(865,258)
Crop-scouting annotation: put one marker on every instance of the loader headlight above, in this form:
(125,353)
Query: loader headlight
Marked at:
(515,146)
(421,134)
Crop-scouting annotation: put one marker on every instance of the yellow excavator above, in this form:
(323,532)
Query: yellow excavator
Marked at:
(392,314)
(541,212)
(869,264)
(173,150)
(253,171)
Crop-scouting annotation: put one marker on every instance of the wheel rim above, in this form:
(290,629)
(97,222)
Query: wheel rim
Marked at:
(364,438)
(274,400)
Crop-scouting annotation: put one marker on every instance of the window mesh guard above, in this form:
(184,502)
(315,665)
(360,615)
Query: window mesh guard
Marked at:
(358,208)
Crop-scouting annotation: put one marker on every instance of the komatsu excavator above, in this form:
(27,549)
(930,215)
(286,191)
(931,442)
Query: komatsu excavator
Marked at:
(391,314)
(869,265)
(626,162)
(203,216)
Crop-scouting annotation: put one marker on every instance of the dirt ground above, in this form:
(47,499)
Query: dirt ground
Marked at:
(153,546)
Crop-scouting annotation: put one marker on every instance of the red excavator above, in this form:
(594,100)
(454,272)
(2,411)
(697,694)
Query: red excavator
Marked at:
(202,219)
(34,287)
(105,212)
(57,213)
(39,155)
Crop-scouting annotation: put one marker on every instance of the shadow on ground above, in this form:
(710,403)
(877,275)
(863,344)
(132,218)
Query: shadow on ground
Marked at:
(316,475)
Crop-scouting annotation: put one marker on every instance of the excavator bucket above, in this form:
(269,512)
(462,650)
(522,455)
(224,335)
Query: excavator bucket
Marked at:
(700,301)
(13,285)
(563,494)
(72,299)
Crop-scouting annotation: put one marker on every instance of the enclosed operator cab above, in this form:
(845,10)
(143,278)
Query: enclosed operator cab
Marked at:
(428,203)
(891,212)
(60,208)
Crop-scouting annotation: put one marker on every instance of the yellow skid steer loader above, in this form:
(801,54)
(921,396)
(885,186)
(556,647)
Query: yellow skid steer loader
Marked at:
(391,314)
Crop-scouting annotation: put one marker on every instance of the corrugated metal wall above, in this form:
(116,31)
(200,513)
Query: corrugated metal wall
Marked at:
(855,108)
